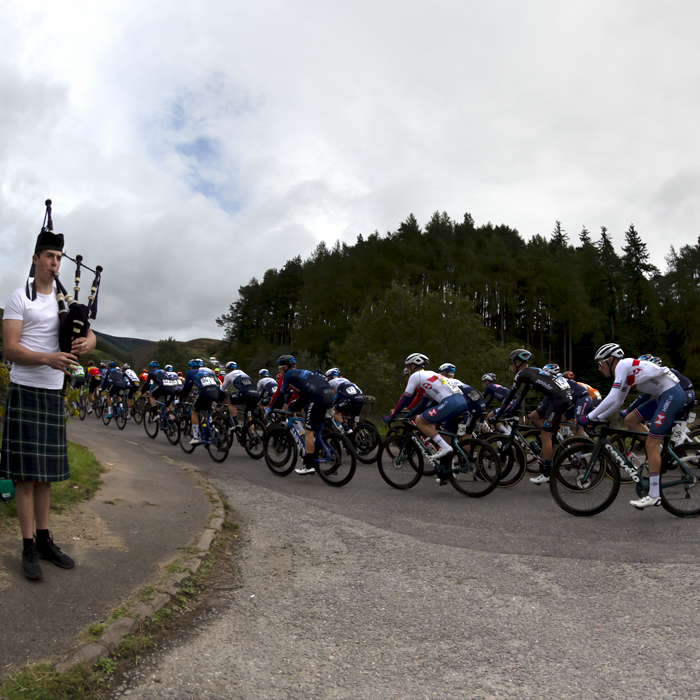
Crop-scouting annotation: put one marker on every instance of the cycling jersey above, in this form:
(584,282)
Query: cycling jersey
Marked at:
(348,396)
(494,391)
(593,393)
(204,380)
(240,384)
(315,394)
(266,388)
(555,388)
(131,376)
(630,373)
(685,384)
(161,382)
(113,379)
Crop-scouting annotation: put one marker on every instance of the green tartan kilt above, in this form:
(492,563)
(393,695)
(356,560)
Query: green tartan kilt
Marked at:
(34,438)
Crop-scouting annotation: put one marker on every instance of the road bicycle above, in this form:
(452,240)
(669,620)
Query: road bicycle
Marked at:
(120,410)
(138,409)
(363,435)
(161,419)
(473,468)
(250,433)
(212,432)
(335,459)
(585,480)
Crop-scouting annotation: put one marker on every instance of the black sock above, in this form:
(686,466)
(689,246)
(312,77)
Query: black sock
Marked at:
(546,467)
(27,543)
(309,460)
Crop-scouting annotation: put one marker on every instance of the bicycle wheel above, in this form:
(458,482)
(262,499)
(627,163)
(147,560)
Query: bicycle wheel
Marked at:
(172,431)
(186,435)
(98,407)
(367,440)
(581,486)
(218,447)
(512,458)
(105,414)
(335,459)
(82,407)
(151,424)
(479,468)
(138,410)
(680,490)
(120,413)
(255,433)
(280,450)
(400,461)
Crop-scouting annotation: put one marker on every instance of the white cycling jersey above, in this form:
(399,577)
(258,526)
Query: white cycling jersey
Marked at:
(645,377)
(231,377)
(433,385)
(131,376)
(262,384)
(339,381)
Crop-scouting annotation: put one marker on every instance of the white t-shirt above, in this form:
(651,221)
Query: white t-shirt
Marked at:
(39,333)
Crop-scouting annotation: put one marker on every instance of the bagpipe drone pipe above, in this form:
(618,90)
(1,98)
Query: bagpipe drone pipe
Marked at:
(74,316)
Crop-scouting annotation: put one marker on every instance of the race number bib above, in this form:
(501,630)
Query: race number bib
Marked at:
(209,381)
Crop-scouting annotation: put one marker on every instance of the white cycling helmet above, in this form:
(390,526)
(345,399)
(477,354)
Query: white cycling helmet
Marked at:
(333,372)
(447,367)
(607,351)
(489,377)
(416,358)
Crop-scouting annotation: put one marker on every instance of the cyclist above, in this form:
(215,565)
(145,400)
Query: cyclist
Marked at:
(132,381)
(243,392)
(665,400)
(447,370)
(579,395)
(315,395)
(112,382)
(553,387)
(266,387)
(450,400)
(95,381)
(492,391)
(592,392)
(77,377)
(207,384)
(159,384)
(348,399)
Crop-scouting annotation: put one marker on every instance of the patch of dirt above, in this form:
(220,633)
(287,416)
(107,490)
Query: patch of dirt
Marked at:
(80,527)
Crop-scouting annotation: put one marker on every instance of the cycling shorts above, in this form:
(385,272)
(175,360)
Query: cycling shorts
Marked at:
(581,407)
(203,402)
(661,411)
(350,405)
(77,382)
(319,402)
(553,413)
(449,407)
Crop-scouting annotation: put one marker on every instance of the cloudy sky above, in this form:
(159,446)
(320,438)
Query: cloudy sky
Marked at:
(189,146)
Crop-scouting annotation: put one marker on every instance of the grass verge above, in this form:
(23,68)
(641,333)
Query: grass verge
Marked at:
(84,482)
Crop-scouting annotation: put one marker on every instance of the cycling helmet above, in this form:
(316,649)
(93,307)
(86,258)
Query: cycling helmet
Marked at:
(647,357)
(332,372)
(168,368)
(286,361)
(90,363)
(520,354)
(489,377)
(279,376)
(104,366)
(568,374)
(126,366)
(658,361)
(200,362)
(153,364)
(552,368)
(112,364)
(609,351)
(179,374)
(447,368)
(263,373)
(231,366)
(416,358)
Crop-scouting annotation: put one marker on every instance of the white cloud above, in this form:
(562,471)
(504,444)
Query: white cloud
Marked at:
(190,146)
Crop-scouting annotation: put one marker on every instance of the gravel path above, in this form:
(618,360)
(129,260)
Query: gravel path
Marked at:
(331,607)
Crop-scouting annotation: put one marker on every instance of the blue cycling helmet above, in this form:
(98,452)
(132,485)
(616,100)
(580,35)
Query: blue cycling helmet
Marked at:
(153,364)
(168,368)
(231,365)
(286,360)
(647,357)
(332,373)
(112,364)
(552,368)
(658,361)
(263,373)
(447,368)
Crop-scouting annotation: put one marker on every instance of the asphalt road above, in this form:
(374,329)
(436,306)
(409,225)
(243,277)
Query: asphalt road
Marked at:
(370,592)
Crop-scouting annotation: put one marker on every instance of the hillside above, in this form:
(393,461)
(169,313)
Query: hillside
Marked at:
(127,345)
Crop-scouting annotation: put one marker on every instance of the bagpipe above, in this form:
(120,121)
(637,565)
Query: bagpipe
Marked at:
(74,317)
